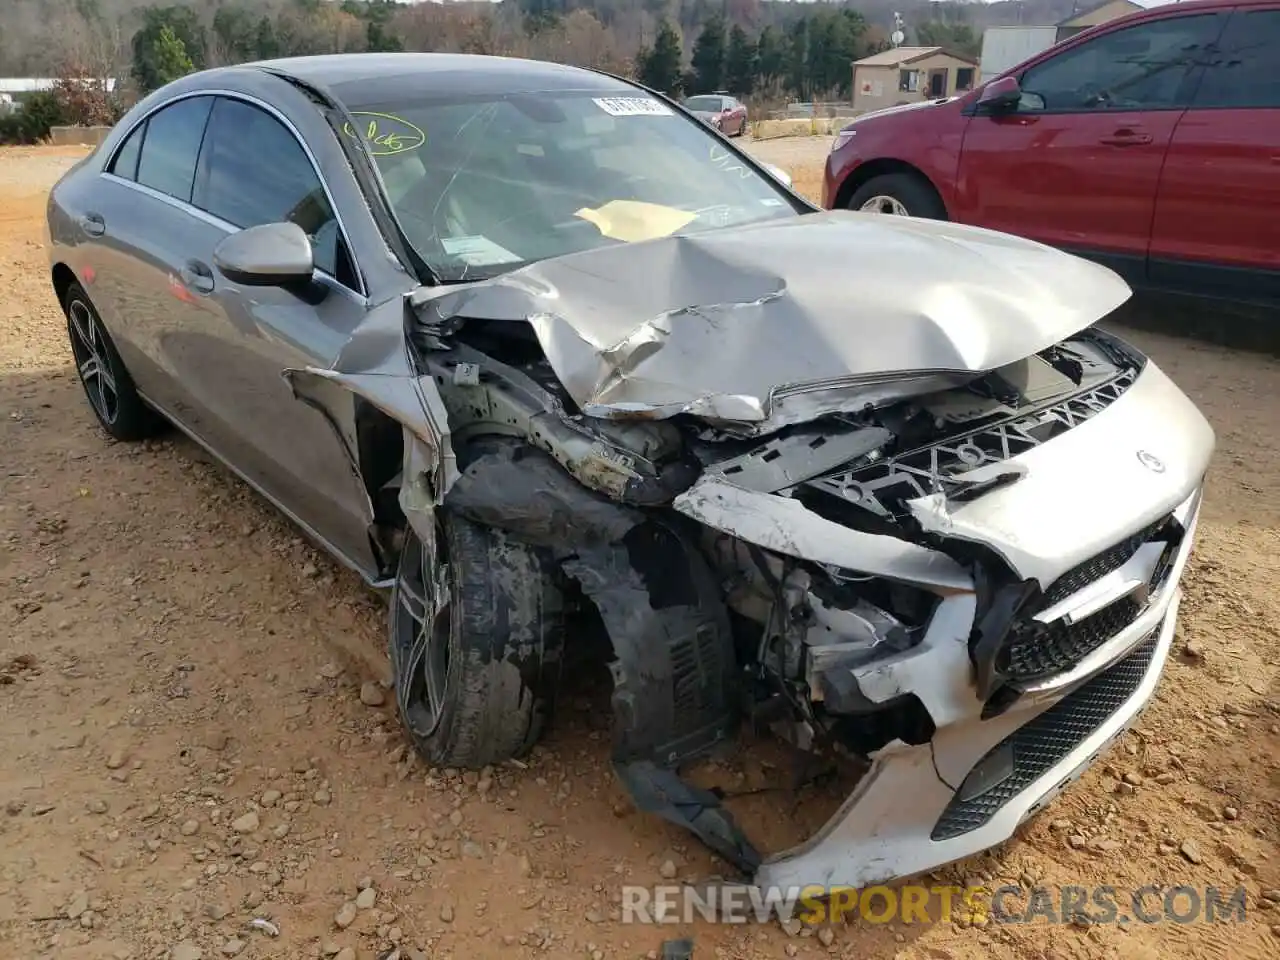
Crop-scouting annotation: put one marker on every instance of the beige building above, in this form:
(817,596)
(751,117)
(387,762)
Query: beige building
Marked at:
(908,74)
(1103,13)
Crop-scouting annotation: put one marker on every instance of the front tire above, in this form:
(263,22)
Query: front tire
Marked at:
(474,680)
(899,194)
(107,385)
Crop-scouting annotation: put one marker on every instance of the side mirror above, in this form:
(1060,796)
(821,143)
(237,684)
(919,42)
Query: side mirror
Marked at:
(270,255)
(779,174)
(1002,94)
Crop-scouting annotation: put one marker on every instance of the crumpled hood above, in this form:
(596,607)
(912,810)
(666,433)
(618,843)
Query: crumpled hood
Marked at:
(783,321)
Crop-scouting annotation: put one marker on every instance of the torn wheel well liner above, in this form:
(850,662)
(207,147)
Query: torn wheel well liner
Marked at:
(675,671)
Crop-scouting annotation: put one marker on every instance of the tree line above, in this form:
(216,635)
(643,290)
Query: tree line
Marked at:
(811,57)
(751,48)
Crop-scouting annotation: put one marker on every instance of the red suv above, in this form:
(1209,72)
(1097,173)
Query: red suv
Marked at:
(1150,144)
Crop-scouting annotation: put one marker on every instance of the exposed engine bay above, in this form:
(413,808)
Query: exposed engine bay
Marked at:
(768,634)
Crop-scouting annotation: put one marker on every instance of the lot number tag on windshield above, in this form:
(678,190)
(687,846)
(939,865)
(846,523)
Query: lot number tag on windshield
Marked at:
(632,107)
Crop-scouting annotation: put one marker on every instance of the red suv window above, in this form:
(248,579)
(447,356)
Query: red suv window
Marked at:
(1143,67)
(1244,73)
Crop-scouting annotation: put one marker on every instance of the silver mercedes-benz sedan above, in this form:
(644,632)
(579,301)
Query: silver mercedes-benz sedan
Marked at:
(515,338)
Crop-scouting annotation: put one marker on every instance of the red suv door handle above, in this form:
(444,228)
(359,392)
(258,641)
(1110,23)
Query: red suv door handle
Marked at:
(1126,138)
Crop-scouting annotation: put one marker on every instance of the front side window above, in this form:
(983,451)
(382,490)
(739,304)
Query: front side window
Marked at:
(1143,67)
(1244,73)
(254,171)
(481,185)
(168,159)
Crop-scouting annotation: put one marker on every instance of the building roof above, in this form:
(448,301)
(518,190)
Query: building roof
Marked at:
(1136,5)
(897,56)
(34,84)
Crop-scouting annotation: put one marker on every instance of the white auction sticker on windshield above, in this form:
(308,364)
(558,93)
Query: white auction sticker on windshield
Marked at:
(632,107)
(477,251)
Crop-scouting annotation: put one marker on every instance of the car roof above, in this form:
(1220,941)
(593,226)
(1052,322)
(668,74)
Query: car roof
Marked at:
(370,77)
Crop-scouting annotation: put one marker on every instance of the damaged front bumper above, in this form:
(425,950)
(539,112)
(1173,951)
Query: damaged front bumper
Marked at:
(920,807)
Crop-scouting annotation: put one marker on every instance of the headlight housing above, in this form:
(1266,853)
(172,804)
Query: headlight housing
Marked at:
(842,137)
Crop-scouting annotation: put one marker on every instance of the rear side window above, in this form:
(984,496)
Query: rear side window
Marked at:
(1245,72)
(254,171)
(126,161)
(168,159)
(1143,67)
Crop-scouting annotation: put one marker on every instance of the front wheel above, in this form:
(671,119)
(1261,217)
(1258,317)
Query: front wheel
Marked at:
(898,194)
(477,627)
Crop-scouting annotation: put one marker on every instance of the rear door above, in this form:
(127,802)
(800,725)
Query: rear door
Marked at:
(1217,220)
(1077,163)
(142,218)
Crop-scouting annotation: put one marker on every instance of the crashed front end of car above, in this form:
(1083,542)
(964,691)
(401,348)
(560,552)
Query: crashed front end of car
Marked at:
(917,511)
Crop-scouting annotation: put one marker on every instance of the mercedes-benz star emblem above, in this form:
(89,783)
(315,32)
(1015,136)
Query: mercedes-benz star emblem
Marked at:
(1151,461)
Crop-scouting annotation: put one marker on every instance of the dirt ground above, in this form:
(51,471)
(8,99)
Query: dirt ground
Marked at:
(184,746)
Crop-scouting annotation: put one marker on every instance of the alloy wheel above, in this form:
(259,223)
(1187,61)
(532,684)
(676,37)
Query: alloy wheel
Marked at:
(885,204)
(422,638)
(93,361)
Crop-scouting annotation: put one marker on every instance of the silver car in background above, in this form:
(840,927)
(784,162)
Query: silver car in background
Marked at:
(517,340)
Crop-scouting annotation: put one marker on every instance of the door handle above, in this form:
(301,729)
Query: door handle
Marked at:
(93,224)
(198,276)
(1127,138)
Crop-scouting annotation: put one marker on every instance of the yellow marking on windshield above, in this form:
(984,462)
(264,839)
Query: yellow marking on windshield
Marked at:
(634,220)
(385,133)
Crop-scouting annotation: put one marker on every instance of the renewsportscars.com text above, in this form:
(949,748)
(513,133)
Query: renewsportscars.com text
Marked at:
(915,903)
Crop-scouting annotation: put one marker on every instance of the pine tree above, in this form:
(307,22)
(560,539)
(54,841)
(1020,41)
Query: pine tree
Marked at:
(740,63)
(771,55)
(708,56)
(658,67)
(169,57)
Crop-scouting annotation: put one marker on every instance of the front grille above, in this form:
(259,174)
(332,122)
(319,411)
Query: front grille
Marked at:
(1041,649)
(1035,650)
(1099,565)
(1045,741)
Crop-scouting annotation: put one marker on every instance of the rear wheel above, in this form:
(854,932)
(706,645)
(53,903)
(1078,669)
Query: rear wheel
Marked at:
(477,626)
(107,384)
(898,194)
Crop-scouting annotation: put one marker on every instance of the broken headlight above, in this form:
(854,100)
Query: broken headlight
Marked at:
(855,618)
(825,616)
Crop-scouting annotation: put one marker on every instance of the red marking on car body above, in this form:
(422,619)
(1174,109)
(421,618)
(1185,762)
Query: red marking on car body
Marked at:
(179,290)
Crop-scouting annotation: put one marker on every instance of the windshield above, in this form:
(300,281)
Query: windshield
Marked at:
(703,104)
(481,186)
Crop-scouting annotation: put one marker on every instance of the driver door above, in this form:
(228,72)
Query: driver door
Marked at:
(231,345)
(1076,164)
